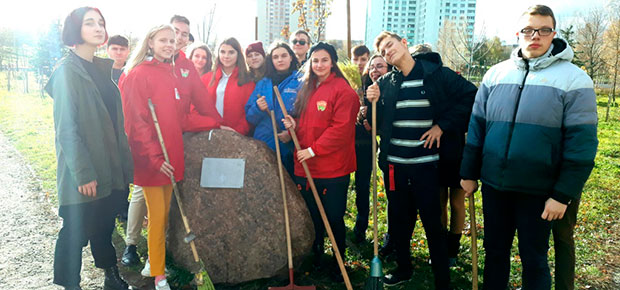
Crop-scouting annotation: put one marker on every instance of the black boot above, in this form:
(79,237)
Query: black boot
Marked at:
(113,280)
(317,250)
(454,243)
(130,256)
(388,247)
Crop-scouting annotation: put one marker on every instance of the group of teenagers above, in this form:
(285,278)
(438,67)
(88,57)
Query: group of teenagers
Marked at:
(528,133)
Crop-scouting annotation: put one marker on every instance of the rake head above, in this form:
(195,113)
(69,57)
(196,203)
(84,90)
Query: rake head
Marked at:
(292,285)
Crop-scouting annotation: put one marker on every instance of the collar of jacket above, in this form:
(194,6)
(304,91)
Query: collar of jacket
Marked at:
(103,64)
(71,61)
(330,78)
(430,62)
(155,62)
(558,51)
(220,71)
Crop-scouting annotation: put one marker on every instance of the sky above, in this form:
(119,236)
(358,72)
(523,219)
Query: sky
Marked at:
(236,17)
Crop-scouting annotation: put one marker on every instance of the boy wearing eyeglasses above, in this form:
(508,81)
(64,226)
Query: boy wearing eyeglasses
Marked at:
(300,42)
(531,141)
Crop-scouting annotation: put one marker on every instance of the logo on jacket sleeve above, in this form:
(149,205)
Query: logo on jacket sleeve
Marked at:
(184,72)
(321,105)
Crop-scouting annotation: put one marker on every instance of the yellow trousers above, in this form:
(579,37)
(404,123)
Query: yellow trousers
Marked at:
(158,206)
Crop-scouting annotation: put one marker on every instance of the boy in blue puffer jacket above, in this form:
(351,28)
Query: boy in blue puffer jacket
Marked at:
(532,142)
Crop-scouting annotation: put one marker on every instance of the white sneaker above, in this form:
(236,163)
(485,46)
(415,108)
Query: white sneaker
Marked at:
(162,285)
(146,272)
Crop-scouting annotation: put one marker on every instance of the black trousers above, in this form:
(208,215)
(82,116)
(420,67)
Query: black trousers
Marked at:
(414,189)
(564,245)
(504,213)
(333,195)
(83,223)
(363,154)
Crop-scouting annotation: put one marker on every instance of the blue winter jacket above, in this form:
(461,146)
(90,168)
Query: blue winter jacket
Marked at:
(263,131)
(533,126)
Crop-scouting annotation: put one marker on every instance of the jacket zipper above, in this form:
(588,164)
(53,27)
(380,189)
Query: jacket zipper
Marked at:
(514,117)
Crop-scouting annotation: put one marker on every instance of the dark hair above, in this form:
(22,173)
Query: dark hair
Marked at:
(209,63)
(72,30)
(244,75)
(360,50)
(310,80)
(366,80)
(271,70)
(301,31)
(191,37)
(118,40)
(179,18)
(383,35)
(540,10)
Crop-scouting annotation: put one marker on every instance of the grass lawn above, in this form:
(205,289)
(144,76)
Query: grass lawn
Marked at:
(27,121)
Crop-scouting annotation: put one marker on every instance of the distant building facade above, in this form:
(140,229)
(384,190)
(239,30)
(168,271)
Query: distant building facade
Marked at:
(273,16)
(417,20)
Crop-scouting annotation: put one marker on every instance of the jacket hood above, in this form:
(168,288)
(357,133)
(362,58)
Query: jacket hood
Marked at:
(559,50)
(430,61)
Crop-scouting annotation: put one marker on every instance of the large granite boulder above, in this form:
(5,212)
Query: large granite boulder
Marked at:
(240,233)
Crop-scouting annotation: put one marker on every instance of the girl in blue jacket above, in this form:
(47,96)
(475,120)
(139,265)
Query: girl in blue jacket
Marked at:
(282,71)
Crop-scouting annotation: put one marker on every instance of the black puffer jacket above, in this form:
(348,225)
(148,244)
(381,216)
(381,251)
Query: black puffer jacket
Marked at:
(451,97)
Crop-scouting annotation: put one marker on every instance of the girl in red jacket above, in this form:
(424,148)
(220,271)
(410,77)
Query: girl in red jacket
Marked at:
(326,110)
(230,85)
(151,75)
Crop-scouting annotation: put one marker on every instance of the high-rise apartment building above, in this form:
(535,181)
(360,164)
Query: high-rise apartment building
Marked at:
(273,16)
(417,20)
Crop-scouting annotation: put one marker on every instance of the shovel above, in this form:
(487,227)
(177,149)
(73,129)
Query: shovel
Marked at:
(474,244)
(202,278)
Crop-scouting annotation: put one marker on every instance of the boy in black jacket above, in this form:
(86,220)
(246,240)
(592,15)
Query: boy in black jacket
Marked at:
(420,104)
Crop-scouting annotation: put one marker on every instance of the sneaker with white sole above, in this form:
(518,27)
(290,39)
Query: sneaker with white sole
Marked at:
(146,272)
(162,285)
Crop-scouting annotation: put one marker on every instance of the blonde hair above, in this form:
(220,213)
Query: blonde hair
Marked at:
(144,51)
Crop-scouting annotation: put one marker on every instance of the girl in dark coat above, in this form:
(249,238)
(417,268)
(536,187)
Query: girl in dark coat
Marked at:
(94,162)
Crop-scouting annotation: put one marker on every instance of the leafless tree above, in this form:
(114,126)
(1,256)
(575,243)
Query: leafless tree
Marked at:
(458,45)
(313,16)
(611,55)
(590,46)
(207,25)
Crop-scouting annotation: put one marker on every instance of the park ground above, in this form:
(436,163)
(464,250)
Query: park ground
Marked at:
(30,224)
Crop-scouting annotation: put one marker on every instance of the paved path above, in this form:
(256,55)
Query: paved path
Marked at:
(28,229)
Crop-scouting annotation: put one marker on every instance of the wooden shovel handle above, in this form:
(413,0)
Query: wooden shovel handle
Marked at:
(283,189)
(474,243)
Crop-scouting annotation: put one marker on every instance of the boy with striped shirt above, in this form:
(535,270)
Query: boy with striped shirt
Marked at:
(419,103)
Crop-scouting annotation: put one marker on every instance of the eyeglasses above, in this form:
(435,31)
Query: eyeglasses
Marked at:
(541,31)
(301,42)
(377,67)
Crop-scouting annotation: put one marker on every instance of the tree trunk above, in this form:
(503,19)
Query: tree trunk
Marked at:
(26,81)
(8,78)
(612,96)
(349,28)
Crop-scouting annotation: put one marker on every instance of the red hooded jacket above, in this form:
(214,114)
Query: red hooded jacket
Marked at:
(327,125)
(235,99)
(164,85)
